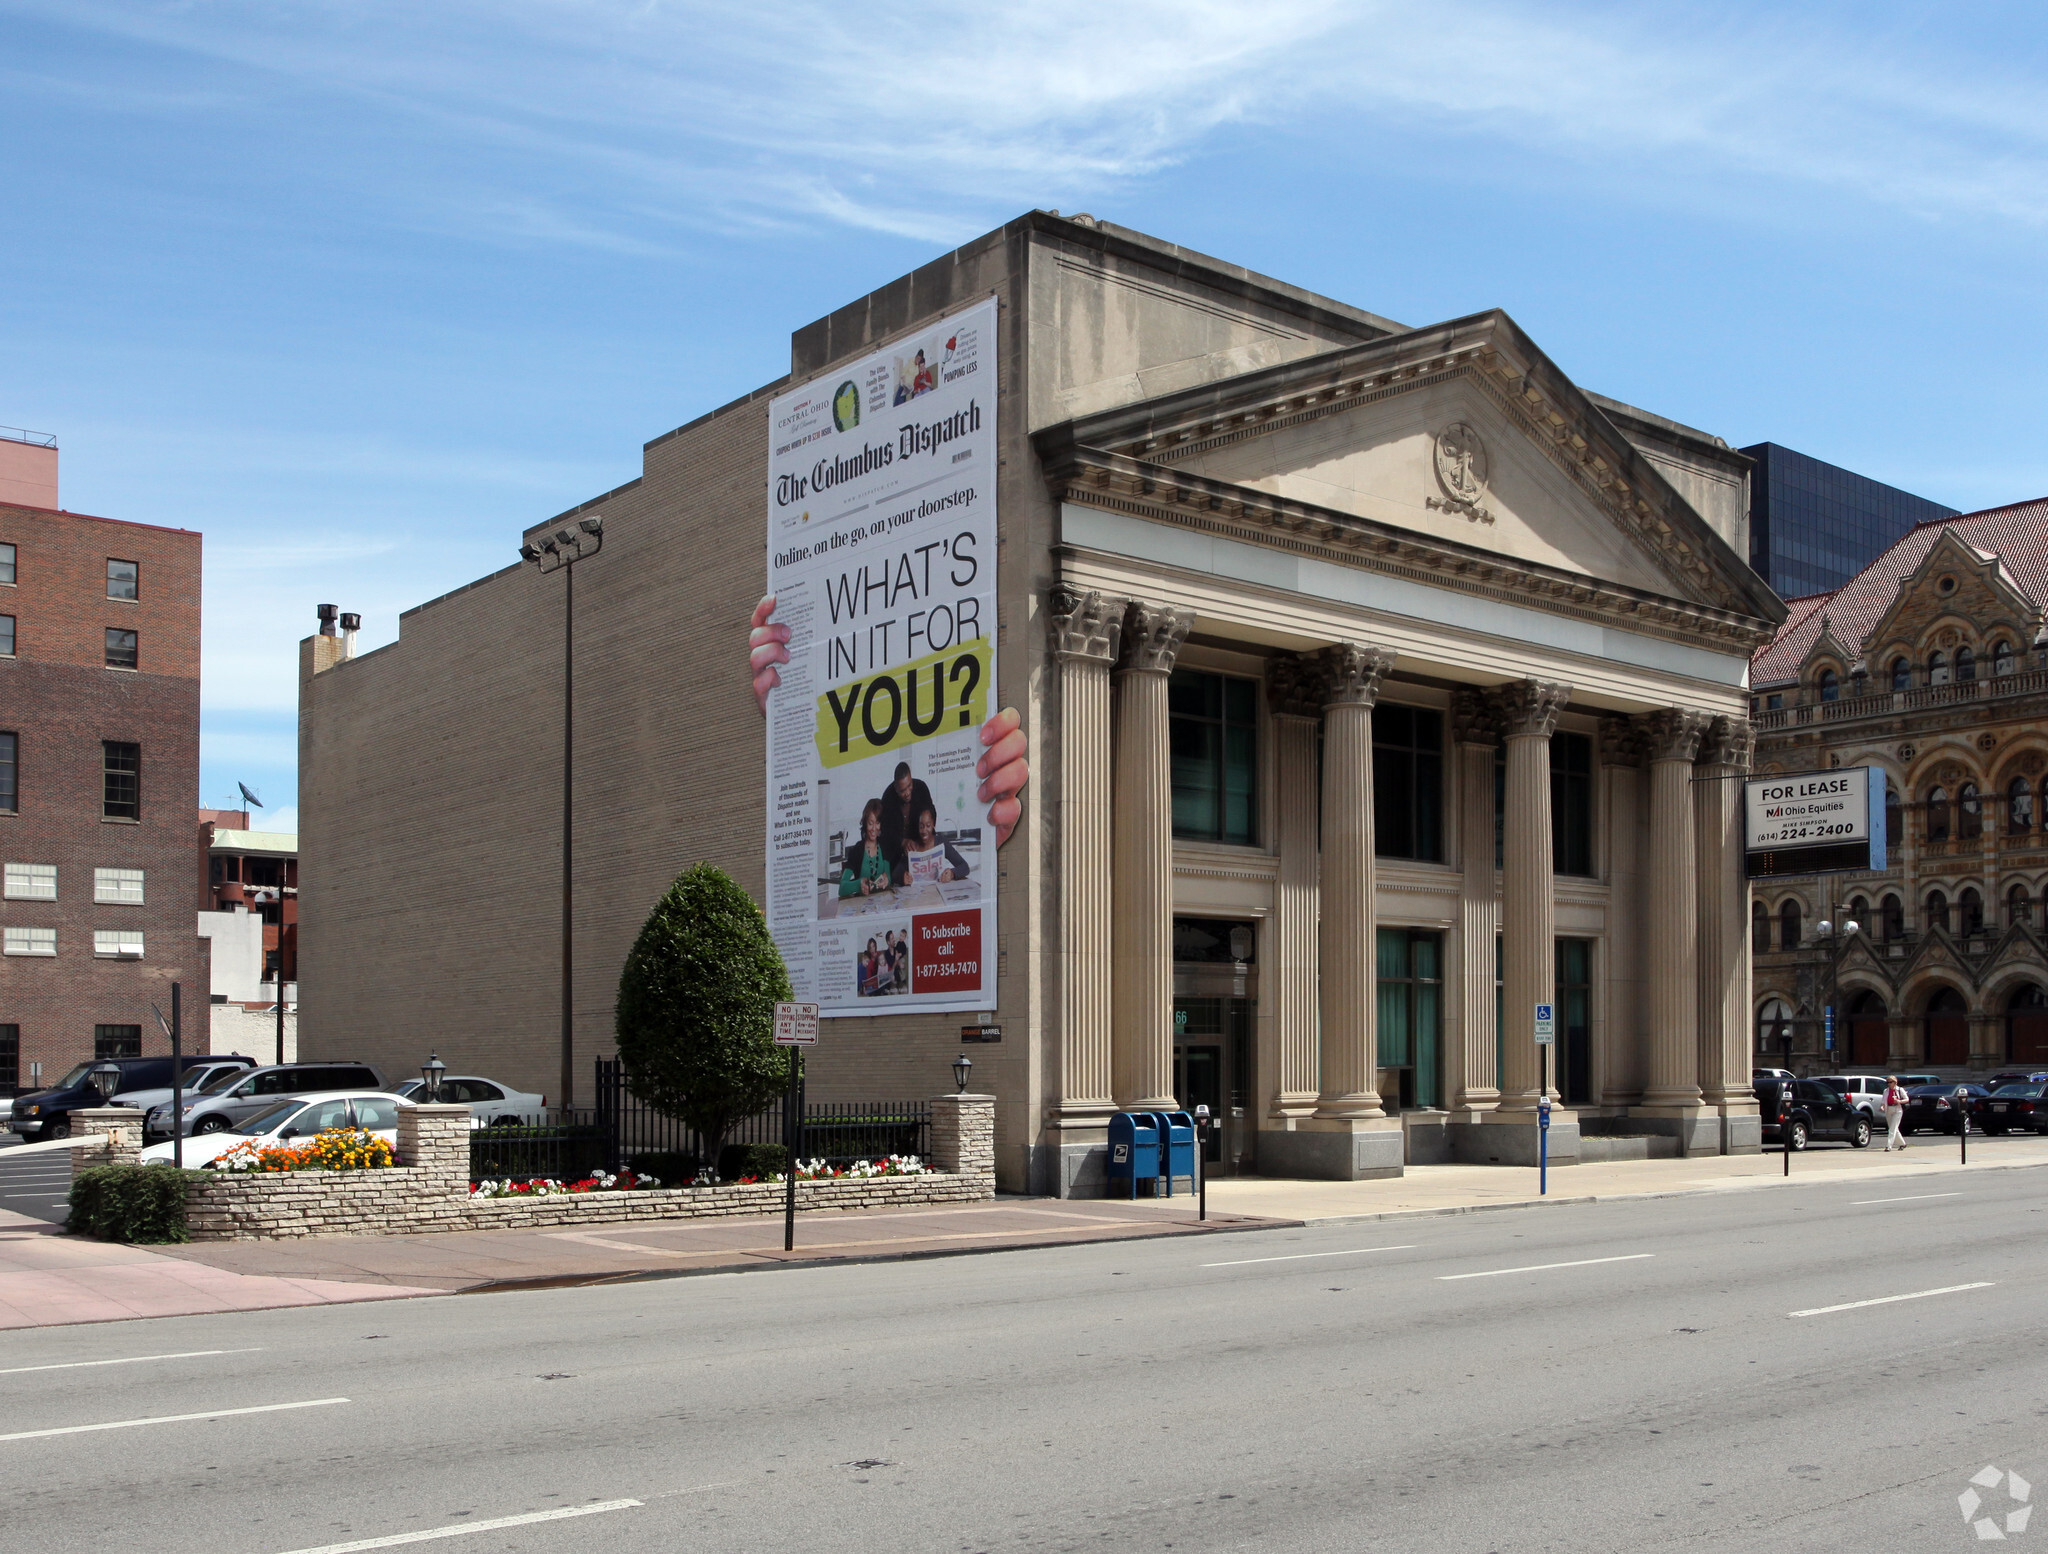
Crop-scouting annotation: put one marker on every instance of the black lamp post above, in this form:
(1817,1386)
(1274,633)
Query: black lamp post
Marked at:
(1837,944)
(431,1071)
(963,1065)
(559,551)
(106,1078)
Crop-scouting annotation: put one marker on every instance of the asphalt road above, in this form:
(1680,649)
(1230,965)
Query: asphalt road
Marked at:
(1434,1384)
(37,1183)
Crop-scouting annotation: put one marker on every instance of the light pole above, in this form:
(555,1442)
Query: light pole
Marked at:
(559,551)
(1837,943)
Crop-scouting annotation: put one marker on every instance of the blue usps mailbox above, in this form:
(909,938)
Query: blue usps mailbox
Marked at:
(1134,1150)
(1177,1148)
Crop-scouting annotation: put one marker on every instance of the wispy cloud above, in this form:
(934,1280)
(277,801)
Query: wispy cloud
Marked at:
(924,121)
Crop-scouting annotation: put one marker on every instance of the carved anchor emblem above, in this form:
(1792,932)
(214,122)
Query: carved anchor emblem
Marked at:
(1461,471)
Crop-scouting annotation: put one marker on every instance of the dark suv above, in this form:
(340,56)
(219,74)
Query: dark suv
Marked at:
(1814,1112)
(227,1105)
(46,1114)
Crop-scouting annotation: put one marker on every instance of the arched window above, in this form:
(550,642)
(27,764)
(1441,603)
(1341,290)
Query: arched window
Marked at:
(1788,926)
(1830,685)
(1774,1030)
(1937,910)
(1937,668)
(1859,914)
(1969,812)
(2028,997)
(2018,909)
(1966,664)
(1759,927)
(1970,912)
(1902,675)
(2019,805)
(1894,916)
(2001,657)
(1937,814)
(1894,820)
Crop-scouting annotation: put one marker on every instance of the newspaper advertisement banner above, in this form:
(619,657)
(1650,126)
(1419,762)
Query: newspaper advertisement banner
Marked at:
(882,558)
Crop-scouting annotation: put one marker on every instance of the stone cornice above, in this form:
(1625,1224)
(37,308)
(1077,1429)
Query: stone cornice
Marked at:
(1119,483)
(1514,375)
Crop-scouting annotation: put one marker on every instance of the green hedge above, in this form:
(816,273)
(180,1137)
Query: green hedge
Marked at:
(738,1160)
(130,1203)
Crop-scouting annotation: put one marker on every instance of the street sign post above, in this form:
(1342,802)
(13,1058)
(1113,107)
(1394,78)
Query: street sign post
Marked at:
(1546,1024)
(796,1027)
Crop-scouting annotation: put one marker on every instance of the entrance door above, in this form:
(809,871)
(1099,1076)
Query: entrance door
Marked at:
(1574,1080)
(1198,1081)
(2026,1028)
(1870,1033)
(1948,1029)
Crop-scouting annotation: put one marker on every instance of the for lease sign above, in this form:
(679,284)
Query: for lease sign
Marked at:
(1817,809)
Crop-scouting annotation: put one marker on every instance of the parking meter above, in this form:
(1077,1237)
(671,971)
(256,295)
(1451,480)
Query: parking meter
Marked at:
(1202,1160)
(1961,1102)
(1543,1146)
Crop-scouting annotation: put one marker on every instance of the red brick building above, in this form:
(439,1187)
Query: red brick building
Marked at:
(99,779)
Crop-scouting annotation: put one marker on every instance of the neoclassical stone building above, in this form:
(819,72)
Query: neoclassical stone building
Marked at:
(1931,664)
(1381,684)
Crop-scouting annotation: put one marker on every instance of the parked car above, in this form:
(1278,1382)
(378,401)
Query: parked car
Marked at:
(1758,1075)
(1914,1081)
(230,1105)
(1861,1091)
(46,1114)
(2014,1077)
(1934,1106)
(291,1119)
(200,1074)
(1816,1112)
(489,1103)
(2010,1107)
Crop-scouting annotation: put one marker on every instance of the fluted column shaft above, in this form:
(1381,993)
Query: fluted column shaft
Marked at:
(1724,914)
(1142,891)
(1349,954)
(1475,729)
(1288,1063)
(1673,911)
(1086,629)
(1528,885)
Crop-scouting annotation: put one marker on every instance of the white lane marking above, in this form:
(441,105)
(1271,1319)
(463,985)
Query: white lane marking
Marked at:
(1918,1197)
(1295,1257)
(458,1529)
(129,1424)
(132,1359)
(1584,1262)
(1886,1300)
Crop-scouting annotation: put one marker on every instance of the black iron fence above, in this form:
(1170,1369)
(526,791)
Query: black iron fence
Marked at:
(620,1129)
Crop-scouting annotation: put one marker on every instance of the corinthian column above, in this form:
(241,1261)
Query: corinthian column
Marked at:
(1724,928)
(1673,910)
(1287,1061)
(1475,734)
(1528,885)
(1350,1051)
(1141,938)
(1086,629)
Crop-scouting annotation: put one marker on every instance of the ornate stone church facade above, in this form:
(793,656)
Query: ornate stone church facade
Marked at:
(1931,665)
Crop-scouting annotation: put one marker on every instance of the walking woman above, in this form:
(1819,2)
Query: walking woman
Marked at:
(1894,1109)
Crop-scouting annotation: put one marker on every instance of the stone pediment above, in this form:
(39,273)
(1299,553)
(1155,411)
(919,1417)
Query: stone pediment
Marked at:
(1952,579)
(1458,448)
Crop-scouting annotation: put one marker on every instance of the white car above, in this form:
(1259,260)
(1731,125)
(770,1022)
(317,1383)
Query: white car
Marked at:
(293,1119)
(490,1103)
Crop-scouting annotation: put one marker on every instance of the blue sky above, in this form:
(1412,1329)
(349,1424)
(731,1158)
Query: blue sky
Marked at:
(360,289)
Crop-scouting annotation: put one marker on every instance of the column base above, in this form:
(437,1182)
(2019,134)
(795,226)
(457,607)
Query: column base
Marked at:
(1328,1150)
(1073,1162)
(1697,1128)
(1742,1129)
(1512,1138)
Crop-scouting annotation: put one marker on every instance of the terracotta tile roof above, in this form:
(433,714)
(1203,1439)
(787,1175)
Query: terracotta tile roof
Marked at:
(2017,535)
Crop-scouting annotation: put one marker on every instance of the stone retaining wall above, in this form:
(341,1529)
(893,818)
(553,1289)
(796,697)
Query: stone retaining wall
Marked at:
(431,1191)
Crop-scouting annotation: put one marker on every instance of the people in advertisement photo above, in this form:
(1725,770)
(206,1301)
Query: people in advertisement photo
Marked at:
(872,659)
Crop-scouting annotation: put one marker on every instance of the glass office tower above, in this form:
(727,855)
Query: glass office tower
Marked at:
(1813,526)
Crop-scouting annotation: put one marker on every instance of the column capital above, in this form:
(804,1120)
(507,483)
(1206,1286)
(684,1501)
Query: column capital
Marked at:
(1293,688)
(1351,674)
(1152,636)
(1729,742)
(1086,624)
(1532,706)
(1621,741)
(1475,717)
(1674,733)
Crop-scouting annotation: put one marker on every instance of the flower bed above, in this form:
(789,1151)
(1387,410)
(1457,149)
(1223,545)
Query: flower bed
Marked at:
(547,1187)
(859,1170)
(338,1149)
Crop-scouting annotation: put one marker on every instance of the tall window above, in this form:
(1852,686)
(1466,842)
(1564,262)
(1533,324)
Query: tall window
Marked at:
(7,564)
(1937,814)
(1902,674)
(1213,724)
(1574,966)
(2001,657)
(123,579)
(2019,805)
(1408,782)
(1893,912)
(10,1041)
(1966,664)
(1571,803)
(1788,926)
(6,636)
(1937,668)
(1894,820)
(10,773)
(1411,985)
(1937,910)
(1970,912)
(1759,927)
(121,652)
(1830,685)
(2018,909)
(121,796)
(116,1041)
(1969,812)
